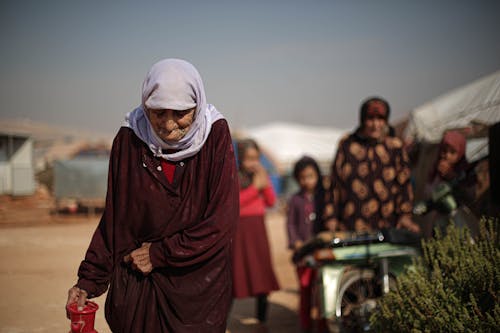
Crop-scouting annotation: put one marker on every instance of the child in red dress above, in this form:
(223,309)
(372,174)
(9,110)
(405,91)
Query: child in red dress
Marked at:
(253,274)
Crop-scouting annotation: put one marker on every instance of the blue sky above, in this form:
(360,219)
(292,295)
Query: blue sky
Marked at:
(81,63)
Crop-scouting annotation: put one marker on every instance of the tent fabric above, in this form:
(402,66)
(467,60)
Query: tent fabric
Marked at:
(477,148)
(476,102)
(81,178)
(287,142)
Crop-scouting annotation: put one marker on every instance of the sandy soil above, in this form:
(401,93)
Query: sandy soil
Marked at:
(40,254)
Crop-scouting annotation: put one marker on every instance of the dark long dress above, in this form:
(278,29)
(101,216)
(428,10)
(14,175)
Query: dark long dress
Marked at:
(191,223)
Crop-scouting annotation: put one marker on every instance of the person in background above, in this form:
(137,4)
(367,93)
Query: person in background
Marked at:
(451,166)
(164,242)
(370,177)
(305,210)
(253,274)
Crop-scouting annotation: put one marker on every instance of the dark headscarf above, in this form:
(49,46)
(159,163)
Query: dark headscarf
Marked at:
(456,140)
(374,106)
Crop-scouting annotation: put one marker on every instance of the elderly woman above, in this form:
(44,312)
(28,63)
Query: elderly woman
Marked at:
(164,242)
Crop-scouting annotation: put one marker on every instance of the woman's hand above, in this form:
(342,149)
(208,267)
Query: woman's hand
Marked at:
(78,295)
(139,259)
(406,222)
(297,245)
(260,177)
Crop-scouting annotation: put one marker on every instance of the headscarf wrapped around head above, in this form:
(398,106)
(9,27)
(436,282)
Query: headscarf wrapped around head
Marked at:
(456,140)
(173,84)
(374,106)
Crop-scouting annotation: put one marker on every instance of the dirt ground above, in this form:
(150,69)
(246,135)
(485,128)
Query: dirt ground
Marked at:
(40,254)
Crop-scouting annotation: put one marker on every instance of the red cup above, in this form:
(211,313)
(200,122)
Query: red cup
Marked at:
(82,321)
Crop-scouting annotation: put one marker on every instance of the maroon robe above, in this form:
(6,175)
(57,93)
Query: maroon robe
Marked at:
(191,223)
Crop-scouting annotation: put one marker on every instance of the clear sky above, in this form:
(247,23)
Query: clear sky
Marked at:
(81,63)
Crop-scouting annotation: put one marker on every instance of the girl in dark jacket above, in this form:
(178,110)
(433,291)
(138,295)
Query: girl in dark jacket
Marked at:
(305,209)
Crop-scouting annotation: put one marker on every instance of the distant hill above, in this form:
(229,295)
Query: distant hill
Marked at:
(40,131)
(54,142)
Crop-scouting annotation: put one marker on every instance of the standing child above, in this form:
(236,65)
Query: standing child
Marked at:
(253,274)
(303,221)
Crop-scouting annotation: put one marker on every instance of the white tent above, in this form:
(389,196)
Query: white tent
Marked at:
(477,102)
(288,142)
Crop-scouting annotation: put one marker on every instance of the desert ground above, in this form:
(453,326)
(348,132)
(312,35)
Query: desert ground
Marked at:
(40,253)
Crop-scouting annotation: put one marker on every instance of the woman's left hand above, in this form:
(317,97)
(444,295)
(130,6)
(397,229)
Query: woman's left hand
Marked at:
(139,259)
(77,295)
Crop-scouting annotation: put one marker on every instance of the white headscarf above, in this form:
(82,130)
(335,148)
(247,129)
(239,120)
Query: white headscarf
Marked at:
(173,84)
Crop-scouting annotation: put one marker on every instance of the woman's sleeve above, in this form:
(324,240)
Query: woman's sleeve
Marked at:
(465,191)
(404,199)
(332,209)
(248,195)
(251,193)
(214,233)
(95,270)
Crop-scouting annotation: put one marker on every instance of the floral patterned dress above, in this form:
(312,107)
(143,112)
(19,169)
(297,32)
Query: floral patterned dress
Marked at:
(371,186)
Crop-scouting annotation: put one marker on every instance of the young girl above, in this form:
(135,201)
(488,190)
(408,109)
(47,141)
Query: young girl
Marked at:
(253,274)
(303,221)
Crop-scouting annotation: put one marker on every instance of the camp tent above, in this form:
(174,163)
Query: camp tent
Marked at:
(473,105)
(17,175)
(287,142)
(476,103)
(471,108)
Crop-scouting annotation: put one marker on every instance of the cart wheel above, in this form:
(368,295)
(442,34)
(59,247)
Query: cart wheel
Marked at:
(358,294)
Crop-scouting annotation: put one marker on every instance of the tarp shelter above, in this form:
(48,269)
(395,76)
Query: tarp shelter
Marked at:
(473,106)
(287,142)
(17,175)
(476,103)
(83,179)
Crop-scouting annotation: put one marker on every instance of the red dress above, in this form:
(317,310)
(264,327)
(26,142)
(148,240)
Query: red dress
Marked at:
(253,272)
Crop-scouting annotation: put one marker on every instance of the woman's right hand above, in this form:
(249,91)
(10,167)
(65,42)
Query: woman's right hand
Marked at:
(78,295)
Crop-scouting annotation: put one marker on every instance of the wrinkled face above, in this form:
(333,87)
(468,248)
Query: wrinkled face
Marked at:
(449,154)
(171,125)
(251,160)
(308,179)
(375,127)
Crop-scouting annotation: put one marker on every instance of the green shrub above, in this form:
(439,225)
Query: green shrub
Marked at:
(453,287)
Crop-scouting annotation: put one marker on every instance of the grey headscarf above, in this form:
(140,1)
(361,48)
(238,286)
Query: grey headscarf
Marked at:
(173,84)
